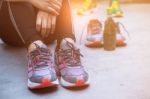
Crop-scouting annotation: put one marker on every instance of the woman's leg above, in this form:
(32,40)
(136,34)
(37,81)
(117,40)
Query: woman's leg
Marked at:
(41,72)
(67,55)
(17,24)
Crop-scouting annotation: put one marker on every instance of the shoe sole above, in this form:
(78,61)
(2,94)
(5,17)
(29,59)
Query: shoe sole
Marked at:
(120,43)
(45,83)
(79,83)
(94,44)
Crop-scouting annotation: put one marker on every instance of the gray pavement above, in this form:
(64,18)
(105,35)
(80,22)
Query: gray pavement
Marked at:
(120,74)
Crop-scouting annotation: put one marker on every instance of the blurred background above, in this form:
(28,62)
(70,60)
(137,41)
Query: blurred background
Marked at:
(121,1)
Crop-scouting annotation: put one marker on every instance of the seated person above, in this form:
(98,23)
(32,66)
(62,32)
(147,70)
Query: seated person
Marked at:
(35,23)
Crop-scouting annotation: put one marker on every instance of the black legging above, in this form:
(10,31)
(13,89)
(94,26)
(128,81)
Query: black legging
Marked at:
(18,22)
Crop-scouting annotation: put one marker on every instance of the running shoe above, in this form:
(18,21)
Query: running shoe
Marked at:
(94,36)
(41,71)
(120,38)
(71,71)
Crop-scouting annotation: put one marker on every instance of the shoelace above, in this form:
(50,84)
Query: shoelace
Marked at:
(41,57)
(71,56)
(121,24)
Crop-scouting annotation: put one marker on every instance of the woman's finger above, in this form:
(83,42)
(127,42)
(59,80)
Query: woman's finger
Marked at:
(48,26)
(55,5)
(53,23)
(44,27)
(56,2)
(52,11)
(48,8)
(38,22)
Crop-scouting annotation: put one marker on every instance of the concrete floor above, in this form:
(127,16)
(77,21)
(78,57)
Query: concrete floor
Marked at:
(120,74)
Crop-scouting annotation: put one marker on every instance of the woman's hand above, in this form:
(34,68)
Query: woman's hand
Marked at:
(45,23)
(50,6)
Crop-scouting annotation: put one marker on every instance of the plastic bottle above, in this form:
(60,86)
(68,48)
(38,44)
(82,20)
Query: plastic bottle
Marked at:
(109,38)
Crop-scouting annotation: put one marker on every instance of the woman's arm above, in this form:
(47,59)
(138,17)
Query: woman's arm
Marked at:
(50,6)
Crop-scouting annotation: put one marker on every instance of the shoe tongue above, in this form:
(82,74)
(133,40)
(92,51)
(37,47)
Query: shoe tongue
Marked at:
(39,44)
(35,45)
(65,45)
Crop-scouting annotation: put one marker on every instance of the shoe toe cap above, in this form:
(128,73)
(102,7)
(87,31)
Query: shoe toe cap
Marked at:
(38,78)
(73,78)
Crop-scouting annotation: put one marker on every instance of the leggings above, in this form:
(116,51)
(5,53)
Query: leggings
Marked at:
(18,24)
